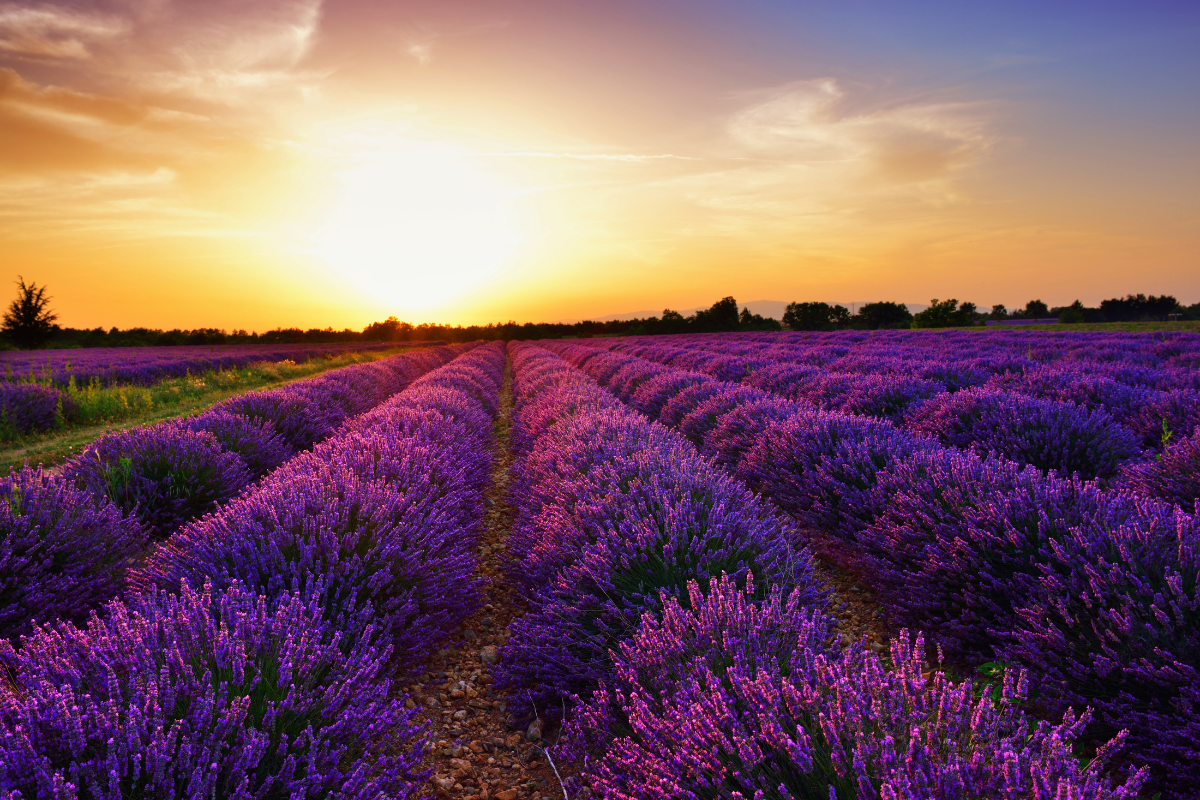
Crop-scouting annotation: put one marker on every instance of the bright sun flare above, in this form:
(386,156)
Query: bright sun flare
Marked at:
(418,228)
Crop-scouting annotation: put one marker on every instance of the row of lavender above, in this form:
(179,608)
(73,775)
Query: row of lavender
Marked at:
(31,396)
(1093,592)
(675,621)
(253,653)
(146,365)
(68,535)
(1131,415)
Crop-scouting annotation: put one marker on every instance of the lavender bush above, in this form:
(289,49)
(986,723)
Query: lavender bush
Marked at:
(614,512)
(205,694)
(297,419)
(709,703)
(165,475)
(32,408)
(1046,434)
(379,520)
(823,467)
(62,550)
(254,441)
(1173,476)
(1114,623)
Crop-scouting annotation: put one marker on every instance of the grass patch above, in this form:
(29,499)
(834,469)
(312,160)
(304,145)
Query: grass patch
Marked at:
(113,408)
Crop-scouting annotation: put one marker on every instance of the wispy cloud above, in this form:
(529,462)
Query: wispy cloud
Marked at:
(805,122)
(632,157)
(46,31)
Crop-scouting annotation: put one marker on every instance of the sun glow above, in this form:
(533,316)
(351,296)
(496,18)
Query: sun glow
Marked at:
(419,227)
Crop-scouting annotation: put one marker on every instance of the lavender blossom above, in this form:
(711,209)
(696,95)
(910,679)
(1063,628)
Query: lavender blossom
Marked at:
(205,694)
(62,550)
(165,475)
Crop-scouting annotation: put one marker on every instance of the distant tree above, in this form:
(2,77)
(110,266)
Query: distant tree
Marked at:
(1136,307)
(883,315)
(1036,309)
(815,316)
(722,316)
(945,314)
(29,322)
(998,312)
(757,322)
(673,322)
(1073,313)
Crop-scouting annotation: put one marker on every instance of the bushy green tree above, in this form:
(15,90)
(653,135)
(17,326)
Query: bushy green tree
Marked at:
(815,316)
(29,322)
(723,316)
(1035,309)
(945,314)
(883,315)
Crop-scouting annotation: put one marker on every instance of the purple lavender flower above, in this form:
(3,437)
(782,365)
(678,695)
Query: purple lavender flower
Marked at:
(200,695)
(615,511)
(1113,623)
(656,391)
(823,467)
(62,550)
(296,418)
(165,475)
(1047,434)
(255,441)
(1173,476)
(960,540)
(708,702)
(33,408)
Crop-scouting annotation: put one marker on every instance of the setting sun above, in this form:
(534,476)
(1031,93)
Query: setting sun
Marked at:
(418,227)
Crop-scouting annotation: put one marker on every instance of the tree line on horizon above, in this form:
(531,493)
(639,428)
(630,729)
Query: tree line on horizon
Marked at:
(29,323)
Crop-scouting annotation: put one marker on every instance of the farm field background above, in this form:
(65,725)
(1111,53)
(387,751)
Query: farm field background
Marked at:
(860,564)
(45,420)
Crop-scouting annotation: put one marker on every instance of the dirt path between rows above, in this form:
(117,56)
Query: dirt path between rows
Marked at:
(475,754)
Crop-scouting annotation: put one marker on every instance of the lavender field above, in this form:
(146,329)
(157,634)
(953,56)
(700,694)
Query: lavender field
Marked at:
(293,594)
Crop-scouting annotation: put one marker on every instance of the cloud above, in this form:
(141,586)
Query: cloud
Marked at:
(422,52)
(592,156)
(46,31)
(805,122)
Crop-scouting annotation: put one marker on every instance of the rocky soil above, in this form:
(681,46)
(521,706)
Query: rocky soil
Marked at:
(475,754)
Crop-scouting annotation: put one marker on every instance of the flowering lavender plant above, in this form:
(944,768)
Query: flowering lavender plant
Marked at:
(706,703)
(1113,623)
(615,511)
(165,475)
(62,550)
(1174,475)
(1047,434)
(33,408)
(294,417)
(255,441)
(823,467)
(205,694)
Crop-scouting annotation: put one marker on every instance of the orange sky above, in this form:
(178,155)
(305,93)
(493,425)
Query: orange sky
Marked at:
(293,162)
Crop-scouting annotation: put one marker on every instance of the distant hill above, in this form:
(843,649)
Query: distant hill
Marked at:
(768,308)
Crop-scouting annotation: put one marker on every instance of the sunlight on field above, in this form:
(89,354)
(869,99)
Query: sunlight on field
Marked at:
(419,227)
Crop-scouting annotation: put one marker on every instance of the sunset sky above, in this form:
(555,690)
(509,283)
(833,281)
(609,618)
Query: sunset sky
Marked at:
(266,163)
